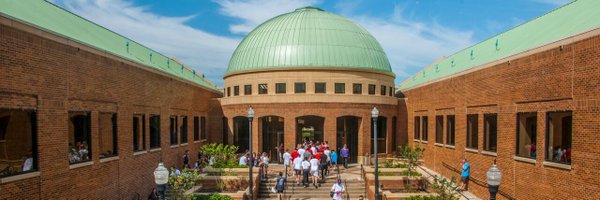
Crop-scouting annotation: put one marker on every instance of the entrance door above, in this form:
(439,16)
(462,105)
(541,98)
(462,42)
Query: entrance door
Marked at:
(347,133)
(309,127)
(272,134)
(241,133)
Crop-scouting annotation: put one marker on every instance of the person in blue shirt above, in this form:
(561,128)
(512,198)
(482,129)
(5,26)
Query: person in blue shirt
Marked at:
(466,171)
(334,158)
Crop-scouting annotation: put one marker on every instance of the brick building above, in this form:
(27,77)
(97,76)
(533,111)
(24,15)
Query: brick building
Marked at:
(528,97)
(69,86)
(86,113)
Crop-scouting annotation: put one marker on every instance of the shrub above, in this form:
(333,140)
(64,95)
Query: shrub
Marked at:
(179,183)
(419,197)
(224,155)
(213,196)
(445,188)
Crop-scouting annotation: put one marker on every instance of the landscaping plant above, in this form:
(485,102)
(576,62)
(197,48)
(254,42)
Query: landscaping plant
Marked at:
(179,183)
(413,160)
(446,189)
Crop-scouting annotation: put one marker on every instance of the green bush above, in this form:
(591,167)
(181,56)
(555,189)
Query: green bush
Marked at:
(419,197)
(224,155)
(178,184)
(213,196)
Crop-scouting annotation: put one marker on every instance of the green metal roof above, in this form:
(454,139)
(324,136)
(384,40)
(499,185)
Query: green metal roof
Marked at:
(308,37)
(569,20)
(54,19)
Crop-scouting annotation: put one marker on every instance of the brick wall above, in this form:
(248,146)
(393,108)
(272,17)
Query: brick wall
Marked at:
(41,71)
(555,78)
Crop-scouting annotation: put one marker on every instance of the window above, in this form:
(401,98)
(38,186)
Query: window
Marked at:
(263,88)
(424,129)
(472,128)
(183,130)
(280,88)
(381,134)
(383,89)
(154,131)
(247,89)
(559,135)
(417,126)
(490,132)
(196,128)
(139,132)
(107,127)
(18,130)
(80,137)
(371,89)
(526,135)
(236,90)
(228,91)
(299,87)
(439,129)
(340,88)
(391,91)
(450,130)
(173,130)
(320,88)
(203,127)
(356,88)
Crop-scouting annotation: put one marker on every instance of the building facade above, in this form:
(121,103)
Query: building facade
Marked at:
(528,101)
(310,74)
(83,120)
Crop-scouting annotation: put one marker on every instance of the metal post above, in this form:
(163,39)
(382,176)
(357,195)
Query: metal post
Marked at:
(161,191)
(493,191)
(251,193)
(376,158)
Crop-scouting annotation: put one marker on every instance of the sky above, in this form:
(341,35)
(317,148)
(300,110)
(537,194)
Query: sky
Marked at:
(204,33)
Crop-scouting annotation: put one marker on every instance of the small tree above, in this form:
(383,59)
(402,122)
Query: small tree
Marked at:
(413,160)
(179,183)
(446,189)
(224,155)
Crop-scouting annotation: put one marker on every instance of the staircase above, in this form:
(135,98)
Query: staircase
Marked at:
(354,188)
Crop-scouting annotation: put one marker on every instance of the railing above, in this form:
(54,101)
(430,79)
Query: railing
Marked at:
(472,179)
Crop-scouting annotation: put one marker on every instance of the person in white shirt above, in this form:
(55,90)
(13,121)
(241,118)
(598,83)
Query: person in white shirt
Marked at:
(298,169)
(244,160)
(314,170)
(301,152)
(305,172)
(264,164)
(286,161)
(338,189)
(313,150)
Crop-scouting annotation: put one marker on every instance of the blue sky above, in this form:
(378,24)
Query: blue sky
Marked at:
(204,33)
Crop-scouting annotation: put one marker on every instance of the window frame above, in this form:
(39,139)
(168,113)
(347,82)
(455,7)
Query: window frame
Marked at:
(317,86)
(173,128)
(142,131)
(32,115)
(451,132)
(196,121)
(486,132)
(357,88)
(518,132)
(280,88)
(88,115)
(547,143)
(203,128)
(383,90)
(264,90)
(424,128)
(183,130)
(247,89)
(114,133)
(417,128)
(341,87)
(372,89)
(158,144)
(236,90)
(469,133)
(301,89)
(439,130)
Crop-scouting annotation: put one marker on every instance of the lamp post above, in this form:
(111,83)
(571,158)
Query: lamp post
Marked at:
(250,118)
(161,178)
(494,176)
(374,115)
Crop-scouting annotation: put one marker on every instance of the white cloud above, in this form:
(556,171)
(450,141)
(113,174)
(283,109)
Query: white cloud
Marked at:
(207,53)
(411,45)
(254,12)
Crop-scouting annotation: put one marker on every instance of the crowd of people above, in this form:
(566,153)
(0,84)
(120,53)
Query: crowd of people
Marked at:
(79,152)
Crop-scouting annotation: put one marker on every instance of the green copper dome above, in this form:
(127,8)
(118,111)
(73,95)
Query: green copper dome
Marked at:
(308,38)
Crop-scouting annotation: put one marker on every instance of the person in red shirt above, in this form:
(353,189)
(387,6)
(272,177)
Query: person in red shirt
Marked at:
(295,154)
(318,156)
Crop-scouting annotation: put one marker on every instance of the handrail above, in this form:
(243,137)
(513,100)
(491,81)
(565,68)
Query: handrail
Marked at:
(346,189)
